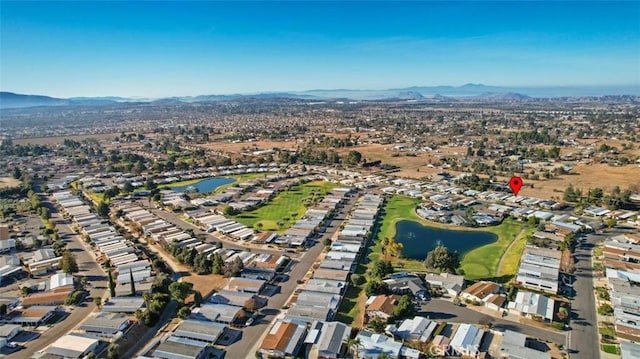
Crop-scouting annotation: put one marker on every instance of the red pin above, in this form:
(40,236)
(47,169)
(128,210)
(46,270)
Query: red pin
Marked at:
(515,183)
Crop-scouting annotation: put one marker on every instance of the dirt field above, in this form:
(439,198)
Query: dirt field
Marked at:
(7,182)
(248,146)
(206,284)
(588,176)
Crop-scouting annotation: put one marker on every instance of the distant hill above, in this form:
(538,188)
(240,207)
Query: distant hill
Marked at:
(418,93)
(14,100)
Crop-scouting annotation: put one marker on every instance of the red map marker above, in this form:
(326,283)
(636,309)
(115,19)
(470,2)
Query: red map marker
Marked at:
(515,183)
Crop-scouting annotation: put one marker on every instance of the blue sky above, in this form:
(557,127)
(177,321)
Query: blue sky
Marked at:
(154,49)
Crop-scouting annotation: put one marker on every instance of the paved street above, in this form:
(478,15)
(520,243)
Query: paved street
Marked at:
(88,267)
(584,333)
(439,309)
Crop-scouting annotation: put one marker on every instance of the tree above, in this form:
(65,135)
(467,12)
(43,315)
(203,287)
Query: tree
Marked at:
(127,187)
(377,324)
(217,266)
(404,308)
(112,284)
(353,158)
(394,248)
(150,184)
(112,351)
(356,279)
(611,222)
(354,344)
(234,268)
(375,287)
(97,301)
(3,310)
(180,290)
(184,312)
(442,259)
(68,262)
(228,211)
(103,209)
(133,283)
(381,269)
(563,313)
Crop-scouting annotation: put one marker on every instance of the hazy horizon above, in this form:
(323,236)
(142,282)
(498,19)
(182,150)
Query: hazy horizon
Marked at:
(166,49)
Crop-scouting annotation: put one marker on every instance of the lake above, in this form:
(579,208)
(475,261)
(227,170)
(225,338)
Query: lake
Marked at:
(418,240)
(206,185)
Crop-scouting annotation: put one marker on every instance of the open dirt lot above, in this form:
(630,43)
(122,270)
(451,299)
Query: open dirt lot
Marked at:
(588,176)
(7,182)
(248,146)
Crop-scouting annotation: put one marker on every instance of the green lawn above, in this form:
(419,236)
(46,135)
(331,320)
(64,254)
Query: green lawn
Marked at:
(607,330)
(611,349)
(181,183)
(477,264)
(287,207)
(511,259)
(96,197)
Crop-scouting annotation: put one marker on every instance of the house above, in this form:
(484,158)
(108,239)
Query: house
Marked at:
(381,306)
(332,340)
(51,297)
(219,313)
(180,348)
(206,332)
(105,326)
(514,346)
(416,329)
(246,285)
(451,283)
(60,280)
(409,284)
(480,291)
(533,305)
(72,346)
(283,340)
(539,269)
(32,316)
(7,332)
(466,340)
(123,304)
(373,345)
(230,297)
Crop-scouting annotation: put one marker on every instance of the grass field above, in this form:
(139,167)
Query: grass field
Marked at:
(479,263)
(287,207)
(181,183)
(8,182)
(511,258)
(96,197)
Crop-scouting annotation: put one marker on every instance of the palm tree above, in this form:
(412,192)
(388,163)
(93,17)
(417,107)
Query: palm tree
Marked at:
(354,344)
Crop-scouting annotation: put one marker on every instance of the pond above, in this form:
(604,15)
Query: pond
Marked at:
(206,185)
(418,240)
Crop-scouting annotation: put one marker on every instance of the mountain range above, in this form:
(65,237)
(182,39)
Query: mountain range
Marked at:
(480,91)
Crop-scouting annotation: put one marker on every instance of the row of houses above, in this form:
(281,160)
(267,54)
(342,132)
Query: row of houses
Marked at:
(314,219)
(110,246)
(307,329)
(212,222)
(196,336)
(622,266)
